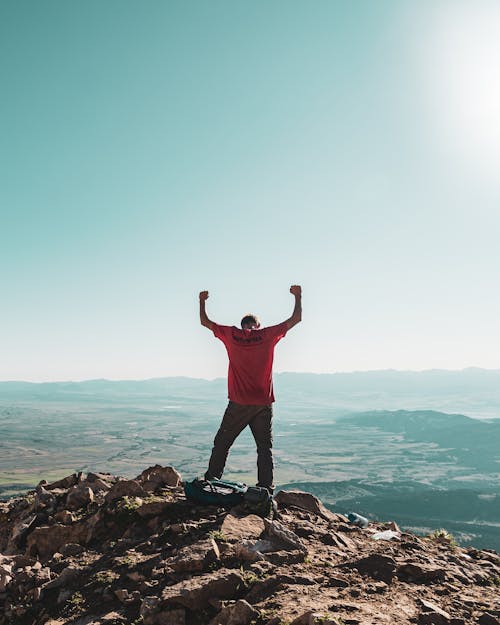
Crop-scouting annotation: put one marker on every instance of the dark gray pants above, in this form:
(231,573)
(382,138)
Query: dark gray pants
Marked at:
(235,419)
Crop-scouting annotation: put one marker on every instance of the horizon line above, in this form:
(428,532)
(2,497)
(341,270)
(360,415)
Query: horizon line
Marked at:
(278,373)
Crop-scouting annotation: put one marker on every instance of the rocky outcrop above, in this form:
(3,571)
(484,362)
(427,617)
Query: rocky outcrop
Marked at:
(96,549)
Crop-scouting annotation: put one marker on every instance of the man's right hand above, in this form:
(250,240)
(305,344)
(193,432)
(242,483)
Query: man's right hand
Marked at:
(296,289)
(203,296)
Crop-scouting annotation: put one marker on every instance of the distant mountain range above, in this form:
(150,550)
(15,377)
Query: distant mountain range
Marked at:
(473,391)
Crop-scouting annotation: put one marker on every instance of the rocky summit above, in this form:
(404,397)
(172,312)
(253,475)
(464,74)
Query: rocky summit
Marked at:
(99,549)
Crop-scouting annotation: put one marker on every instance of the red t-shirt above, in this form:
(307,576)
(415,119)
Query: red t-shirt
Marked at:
(251,352)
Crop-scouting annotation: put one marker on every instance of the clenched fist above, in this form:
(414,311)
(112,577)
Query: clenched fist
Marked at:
(296,290)
(203,296)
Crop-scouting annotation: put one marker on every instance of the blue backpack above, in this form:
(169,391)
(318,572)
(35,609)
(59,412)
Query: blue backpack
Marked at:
(224,493)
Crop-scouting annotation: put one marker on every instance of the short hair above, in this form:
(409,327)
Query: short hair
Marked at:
(252,319)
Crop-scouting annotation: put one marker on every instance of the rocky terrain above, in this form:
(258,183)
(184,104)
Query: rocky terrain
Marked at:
(95,549)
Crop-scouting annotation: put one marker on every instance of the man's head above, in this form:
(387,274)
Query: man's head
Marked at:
(250,322)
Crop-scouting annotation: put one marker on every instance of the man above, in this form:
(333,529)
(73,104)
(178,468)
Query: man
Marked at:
(250,386)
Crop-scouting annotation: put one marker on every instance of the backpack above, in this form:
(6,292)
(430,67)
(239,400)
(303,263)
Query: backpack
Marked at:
(215,492)
(223,493)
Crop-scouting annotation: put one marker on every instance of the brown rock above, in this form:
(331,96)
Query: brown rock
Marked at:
(488,619)
(378,566)
(432,614)
(153,508)
(251,551)
(194,593)
(171,617)
(195,557)
(64,483)
(65,517)
(157,477)
(79,496)
(240,528)
(419,573)
(124,488)
(305,501)
(275,529)
(45,541)
(240,613)
(67,577)
(71,549)
(313,618)
(100,485)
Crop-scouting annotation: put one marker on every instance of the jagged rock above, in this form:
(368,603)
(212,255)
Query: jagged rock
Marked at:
(100,486)
(195,593)
(153,508)
(124,488)
(378,566)
(488,619)
(305,501)
(150,606)
(253,550)
(65,517)
(67,576)
(64,483)
(171,617)
(79,496)
(157,476)
(72,549)
(419,573)
(20,531)
(314,618)
(339,540)
(263,588)
(239,528)
(123,596)
(276,529)
(5,575)
(240,613)
(43,499)
(432,614)
(45,541)
(195,557)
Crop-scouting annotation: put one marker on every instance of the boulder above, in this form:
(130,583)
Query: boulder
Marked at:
(488,619)
(153,508)
(253,550)
(65,517)
(124,488)
(377,566)
(195,593)
(278,530)
(79,496)
(240,613)
(239,528)
(43,499)
(419,573)
(432,614)
(305,501)
(45,541)
(195,557)
(67,577)
(5,575)
(157,477)
(171,617)
(64,483)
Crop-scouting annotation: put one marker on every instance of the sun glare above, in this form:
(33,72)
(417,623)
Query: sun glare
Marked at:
(463,64)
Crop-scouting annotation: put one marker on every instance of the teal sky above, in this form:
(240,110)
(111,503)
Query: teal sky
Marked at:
(150,150)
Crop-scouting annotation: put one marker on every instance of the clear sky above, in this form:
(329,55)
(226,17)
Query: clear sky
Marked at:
(150,150)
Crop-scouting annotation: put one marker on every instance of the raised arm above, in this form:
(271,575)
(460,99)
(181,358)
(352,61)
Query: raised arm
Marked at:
(204,320)
(296,291)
